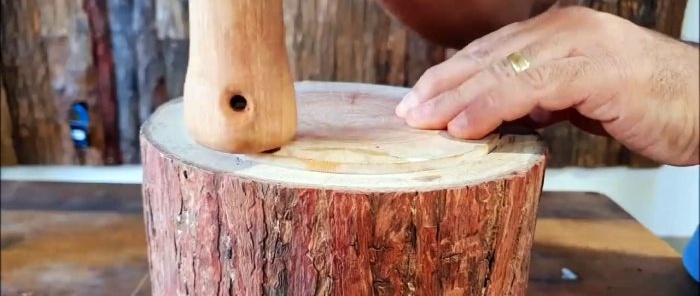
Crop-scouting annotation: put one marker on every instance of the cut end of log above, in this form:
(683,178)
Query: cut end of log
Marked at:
(356,204)
(349,137)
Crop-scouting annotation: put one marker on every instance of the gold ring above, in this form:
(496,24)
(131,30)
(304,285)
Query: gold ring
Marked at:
(519,62)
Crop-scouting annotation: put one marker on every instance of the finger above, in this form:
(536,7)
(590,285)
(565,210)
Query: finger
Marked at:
(437,112)
(450,73)
(436,79)
(554,86)
(473,58)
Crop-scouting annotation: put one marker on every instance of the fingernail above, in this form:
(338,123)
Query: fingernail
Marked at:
(421,112)
(460,122)
(406,103)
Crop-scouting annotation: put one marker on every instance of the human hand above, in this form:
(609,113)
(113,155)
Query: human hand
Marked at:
(603,73)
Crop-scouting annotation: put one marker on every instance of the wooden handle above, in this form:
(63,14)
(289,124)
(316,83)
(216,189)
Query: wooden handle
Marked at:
(239,91)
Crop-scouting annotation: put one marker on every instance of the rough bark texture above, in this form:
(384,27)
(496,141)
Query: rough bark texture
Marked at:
(116,260)
(173,34)
(139,69)
(669,16)
(354,41)
(122,39)
(40,131)
(96,11)
(67,36)
(150,71)
(215,234)
(8,150)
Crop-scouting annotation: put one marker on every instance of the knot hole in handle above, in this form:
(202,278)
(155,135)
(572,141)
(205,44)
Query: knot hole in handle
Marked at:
(238,103)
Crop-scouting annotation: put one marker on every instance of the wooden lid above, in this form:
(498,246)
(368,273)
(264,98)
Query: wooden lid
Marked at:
(348,136)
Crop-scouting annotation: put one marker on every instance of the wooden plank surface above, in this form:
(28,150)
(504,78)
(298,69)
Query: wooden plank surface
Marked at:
(88,239)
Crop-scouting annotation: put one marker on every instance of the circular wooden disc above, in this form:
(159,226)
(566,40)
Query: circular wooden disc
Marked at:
(348,136)
(355,131)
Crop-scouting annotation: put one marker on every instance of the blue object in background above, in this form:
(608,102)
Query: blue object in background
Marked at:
(691,256)
(79,124)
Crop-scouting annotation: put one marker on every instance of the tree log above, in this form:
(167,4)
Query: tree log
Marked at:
(172,18)
(67,39)
(357,204)
(98,23)
(139,69)
(40,132)
(7,150)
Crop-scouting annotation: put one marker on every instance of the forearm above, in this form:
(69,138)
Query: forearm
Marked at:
(684,96)
(694,99)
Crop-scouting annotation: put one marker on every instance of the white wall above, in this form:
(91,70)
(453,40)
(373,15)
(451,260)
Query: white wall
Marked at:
(665,200)
(691,21)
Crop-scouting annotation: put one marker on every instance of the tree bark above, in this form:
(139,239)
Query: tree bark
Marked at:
(9,157)
(138,67)
(67,37)
(354,41)
(96,11)
(669,17)
(225,224)
(40,133)
(172,18)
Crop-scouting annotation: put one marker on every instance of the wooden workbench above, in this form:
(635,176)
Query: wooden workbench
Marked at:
(88,239)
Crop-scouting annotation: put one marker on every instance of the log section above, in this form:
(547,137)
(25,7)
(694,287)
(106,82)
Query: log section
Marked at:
(397,212)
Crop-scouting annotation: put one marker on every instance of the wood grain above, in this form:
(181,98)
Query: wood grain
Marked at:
(351,128)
